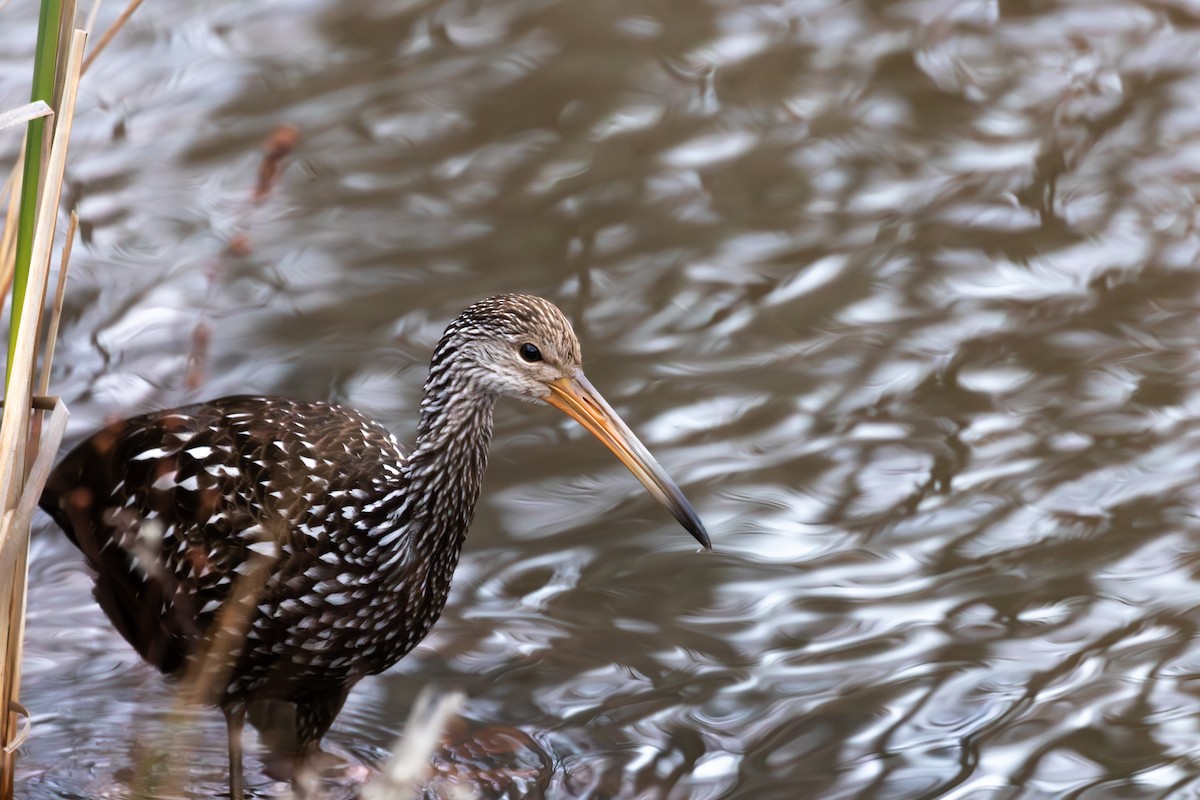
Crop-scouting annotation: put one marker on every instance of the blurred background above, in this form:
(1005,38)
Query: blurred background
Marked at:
(903,294)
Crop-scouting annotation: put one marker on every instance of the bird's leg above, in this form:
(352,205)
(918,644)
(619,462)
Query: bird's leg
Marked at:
(291,732)
(314,716)
(235,718)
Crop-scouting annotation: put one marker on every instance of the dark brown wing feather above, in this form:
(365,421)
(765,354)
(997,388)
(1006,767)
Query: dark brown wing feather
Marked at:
(170,506)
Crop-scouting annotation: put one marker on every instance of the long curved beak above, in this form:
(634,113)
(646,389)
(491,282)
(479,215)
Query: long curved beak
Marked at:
(579,400)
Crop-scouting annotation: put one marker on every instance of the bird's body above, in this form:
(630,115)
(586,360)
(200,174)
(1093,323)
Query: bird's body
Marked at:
(315,491)
(291,548)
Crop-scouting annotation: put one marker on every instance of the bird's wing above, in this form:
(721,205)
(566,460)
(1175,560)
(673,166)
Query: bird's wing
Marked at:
(176,508)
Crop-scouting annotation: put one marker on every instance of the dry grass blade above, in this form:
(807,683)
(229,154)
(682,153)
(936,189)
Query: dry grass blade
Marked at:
(22,114)
(26,726)
(52,433)
(408,768)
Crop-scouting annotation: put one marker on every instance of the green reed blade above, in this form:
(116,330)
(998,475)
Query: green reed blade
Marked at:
(45,58)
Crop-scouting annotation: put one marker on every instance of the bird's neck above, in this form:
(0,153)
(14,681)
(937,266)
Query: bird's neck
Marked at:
(445,471)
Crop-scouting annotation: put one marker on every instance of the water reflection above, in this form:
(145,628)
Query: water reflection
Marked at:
(903,294)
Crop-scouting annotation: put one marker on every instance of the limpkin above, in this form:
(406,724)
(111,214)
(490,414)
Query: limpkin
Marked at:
(173,508)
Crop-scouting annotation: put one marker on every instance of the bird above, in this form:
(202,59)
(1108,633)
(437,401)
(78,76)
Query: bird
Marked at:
(285,549)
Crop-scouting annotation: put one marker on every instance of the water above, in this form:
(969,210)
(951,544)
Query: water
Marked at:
(902,293)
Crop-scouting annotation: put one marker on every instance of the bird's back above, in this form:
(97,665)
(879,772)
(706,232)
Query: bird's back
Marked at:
(170,508)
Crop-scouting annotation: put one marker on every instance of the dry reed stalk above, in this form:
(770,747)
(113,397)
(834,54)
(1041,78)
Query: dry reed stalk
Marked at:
(21,482)
(10,193)
(17,407)
(13,559)
(66,26)
(8,239)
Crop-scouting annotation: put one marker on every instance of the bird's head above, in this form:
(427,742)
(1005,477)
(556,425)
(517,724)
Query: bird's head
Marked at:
(522,346)
(513,345)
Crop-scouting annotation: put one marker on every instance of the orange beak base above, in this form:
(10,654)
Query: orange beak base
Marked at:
(579,400)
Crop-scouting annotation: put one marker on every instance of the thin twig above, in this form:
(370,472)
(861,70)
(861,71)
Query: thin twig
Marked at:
(56,309)
(112,31)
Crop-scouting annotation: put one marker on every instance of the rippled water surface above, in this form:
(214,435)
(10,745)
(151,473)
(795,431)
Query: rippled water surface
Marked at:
(904,295)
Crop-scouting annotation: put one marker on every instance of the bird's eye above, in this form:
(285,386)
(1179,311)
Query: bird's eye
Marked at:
(529,352)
